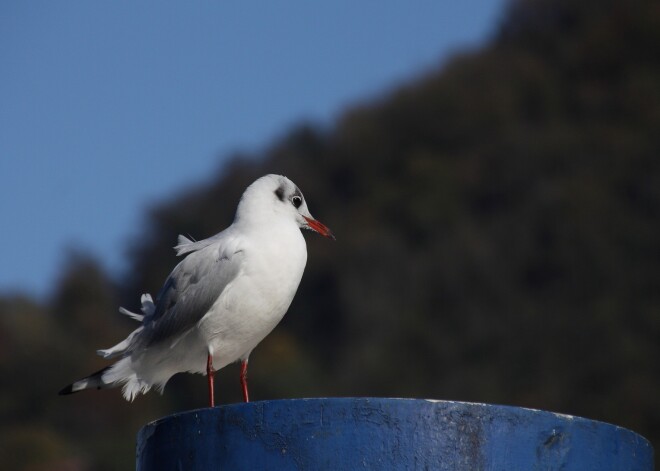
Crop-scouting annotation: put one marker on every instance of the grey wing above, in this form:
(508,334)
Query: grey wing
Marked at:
(189,292)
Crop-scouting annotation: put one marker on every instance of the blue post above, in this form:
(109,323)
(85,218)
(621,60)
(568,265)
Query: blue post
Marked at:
(388,434)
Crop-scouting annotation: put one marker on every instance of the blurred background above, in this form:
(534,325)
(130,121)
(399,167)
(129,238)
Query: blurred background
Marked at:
(490,170)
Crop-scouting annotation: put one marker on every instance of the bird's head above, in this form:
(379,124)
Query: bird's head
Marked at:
(276,198)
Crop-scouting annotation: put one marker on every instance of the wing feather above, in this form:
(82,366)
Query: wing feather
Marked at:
(191,289)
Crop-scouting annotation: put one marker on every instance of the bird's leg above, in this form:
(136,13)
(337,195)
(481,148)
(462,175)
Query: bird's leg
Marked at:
(210,375)
(244,385)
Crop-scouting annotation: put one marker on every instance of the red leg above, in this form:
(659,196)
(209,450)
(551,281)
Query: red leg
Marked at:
(244,385)
(210,375)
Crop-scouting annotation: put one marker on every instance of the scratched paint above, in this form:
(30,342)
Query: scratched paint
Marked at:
(393,434)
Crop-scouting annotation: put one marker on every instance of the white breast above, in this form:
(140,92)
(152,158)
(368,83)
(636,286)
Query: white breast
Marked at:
(252,305)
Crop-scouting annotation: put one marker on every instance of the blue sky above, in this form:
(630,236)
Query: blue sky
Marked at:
(107,108)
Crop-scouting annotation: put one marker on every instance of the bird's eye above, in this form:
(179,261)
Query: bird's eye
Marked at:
(296,201)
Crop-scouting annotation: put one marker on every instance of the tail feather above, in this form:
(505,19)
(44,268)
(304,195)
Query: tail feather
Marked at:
(121,373)
(122,347)
(133,315)
(95,380)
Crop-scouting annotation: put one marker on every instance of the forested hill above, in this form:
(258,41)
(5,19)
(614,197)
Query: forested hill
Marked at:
(498,240)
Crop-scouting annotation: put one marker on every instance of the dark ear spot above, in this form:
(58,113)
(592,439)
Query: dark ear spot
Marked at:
(280,193)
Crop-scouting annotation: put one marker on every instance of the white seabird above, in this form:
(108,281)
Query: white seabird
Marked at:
(221,300)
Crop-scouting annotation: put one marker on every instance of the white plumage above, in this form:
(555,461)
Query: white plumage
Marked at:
(221,300)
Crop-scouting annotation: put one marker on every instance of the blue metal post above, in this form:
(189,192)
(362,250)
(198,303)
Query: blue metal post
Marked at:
(391,434)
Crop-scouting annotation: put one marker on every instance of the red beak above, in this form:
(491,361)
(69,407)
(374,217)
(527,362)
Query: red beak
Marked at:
(319,227)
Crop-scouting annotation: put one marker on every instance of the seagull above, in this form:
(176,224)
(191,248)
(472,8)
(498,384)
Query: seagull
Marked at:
(221,300)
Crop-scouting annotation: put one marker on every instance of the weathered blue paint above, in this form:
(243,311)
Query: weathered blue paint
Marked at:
(392,434)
